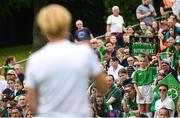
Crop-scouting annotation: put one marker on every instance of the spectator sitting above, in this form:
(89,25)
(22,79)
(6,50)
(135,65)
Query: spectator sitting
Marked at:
(164,113)
(166,67)
(164,101)
(93,44)
(3,83)
(129,101)
(19,72)
(114,67)
(123,78)
(101,48)
(16,112)
(107,36)
(29,113)
(101,108)
(22,102)
(130,67)
(111,49)
(11,74)
(176,54)
(114,95)
(19,88)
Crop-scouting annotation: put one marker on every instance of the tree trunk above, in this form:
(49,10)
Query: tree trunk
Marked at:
(38,39)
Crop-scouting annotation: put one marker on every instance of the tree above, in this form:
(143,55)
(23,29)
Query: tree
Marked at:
(38,39)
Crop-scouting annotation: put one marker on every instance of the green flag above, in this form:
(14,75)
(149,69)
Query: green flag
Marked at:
(173,85)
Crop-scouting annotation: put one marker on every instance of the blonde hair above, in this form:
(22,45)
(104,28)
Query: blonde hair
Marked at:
(54,20)
(94,40)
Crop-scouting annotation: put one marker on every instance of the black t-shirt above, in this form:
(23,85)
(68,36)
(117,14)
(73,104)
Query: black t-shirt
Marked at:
(83,34)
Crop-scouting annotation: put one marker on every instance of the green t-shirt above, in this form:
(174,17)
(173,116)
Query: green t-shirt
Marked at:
(171,49)
(116,93)
(131,103)
(100,51)
(176,58)
(144,77)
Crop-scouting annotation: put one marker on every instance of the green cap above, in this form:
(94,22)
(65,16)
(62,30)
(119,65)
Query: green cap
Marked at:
(177,42)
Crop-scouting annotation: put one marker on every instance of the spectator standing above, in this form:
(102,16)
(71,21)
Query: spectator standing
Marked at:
(165,6)
(142,79)
(60,87)
(115,24)
(82,33)
(146,12)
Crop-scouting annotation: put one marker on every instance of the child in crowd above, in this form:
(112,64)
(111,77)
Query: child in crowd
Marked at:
(142,79)
(101,108)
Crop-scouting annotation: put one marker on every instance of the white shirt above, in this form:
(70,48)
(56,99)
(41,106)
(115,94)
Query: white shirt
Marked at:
(60,72)
(116,23)
(114,72)
(167,102)
(3,85)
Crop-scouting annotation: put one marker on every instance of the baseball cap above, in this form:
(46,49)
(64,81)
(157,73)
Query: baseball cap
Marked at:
(166,61)
(177,41)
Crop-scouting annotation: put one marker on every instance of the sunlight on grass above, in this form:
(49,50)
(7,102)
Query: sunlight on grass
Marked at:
(20,52)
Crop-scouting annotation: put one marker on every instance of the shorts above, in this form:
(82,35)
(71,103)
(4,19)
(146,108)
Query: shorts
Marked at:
(147,93)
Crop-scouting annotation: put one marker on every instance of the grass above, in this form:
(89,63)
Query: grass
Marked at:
(20,52)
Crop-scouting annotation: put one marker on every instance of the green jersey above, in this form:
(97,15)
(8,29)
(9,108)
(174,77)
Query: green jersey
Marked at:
(100,51)
(131,103)
(176,58)
(116,93)
(144,77)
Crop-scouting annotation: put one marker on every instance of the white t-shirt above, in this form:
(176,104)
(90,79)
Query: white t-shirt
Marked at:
(168,103)
(114,72)
(60,72)
(3,85)
(116,23)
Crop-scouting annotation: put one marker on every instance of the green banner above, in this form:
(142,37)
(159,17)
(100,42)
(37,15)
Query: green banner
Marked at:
(143,45)
(166,55)
(173,85)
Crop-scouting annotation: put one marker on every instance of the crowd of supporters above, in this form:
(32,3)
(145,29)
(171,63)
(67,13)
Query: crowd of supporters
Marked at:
(131,79)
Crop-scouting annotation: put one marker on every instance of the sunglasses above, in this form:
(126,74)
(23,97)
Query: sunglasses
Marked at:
(164,90)
(136,65)
(9,107)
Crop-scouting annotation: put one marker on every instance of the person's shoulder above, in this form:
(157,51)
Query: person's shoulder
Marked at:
(140,6)
(110,16)
(169,99)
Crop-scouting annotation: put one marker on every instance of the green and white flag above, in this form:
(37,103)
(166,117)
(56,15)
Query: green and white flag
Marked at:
(173,85)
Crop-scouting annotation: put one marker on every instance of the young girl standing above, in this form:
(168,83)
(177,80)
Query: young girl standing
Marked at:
(142,79)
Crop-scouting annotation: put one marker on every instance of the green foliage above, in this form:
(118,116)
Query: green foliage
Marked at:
(6,6)
(127,9)
(18,4)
